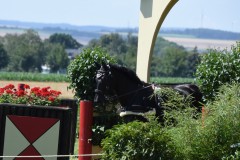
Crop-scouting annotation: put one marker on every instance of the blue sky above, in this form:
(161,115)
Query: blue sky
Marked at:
(216,14)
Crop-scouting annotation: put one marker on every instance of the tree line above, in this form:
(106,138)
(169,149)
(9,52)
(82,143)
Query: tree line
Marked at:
(168,59)
(27,52)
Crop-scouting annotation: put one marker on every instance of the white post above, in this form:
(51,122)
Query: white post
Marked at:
(152,15)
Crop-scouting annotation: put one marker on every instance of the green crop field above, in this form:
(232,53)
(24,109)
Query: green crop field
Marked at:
(171,80)
(36,77)
(39,77)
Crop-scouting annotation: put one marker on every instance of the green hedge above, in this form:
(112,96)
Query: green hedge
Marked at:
(218,67)
(207,138)
(82,70)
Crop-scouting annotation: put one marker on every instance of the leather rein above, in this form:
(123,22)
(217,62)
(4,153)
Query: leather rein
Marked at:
(112,98)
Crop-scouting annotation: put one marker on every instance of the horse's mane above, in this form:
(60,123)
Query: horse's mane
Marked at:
(128,72)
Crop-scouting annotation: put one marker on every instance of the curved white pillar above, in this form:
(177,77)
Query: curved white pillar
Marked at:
(152,15)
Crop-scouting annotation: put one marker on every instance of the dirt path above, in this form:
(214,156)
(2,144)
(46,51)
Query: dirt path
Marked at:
(59,86)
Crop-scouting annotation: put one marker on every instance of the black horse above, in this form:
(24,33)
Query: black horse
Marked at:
(136,97)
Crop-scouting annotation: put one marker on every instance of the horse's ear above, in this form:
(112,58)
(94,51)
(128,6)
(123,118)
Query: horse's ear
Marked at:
(105,66)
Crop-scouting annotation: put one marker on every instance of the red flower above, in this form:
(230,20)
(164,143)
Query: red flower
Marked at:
(55,93)
(35,90)
(1,91)
(9,91)
(20,93)
(52,99)
(37,95)
(45,89)
(26,86)
(10,86)
(45,94)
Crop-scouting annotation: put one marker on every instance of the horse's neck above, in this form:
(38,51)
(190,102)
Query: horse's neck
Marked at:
(124,85)
(131,93)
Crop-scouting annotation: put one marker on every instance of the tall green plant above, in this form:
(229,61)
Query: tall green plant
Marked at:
(218,68)
(136,141)
(82,70)
(190,136)
(212,137)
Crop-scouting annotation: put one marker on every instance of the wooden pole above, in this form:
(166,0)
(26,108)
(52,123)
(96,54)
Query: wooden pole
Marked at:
(85,129)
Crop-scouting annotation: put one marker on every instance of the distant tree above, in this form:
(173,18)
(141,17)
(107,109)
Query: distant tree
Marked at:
(56,57)
(4,59)
(173,62)
(193,60)
(123,49)
(161,45)
(25,51)
(66,40)
(113,43)
(168,59)
(130,59)
(156,66)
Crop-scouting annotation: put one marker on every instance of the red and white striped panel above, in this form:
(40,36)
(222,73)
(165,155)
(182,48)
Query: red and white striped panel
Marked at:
(31,136)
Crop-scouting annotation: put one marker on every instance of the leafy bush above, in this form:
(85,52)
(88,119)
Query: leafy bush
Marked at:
(174,104)
(136,141)
(192,137)
(218,68)
(235,156)
(82,70)
(209,138)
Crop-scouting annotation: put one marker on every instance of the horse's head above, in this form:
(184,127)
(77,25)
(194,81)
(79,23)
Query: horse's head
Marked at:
(104,82)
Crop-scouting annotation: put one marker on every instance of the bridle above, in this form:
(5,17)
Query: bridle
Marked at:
(115,97)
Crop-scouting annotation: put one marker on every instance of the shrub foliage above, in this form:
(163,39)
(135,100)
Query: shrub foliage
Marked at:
(191,136)
(82,69)
(212,137)
(136,141)
(218,68)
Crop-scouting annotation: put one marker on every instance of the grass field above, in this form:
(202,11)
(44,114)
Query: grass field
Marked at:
(29,76)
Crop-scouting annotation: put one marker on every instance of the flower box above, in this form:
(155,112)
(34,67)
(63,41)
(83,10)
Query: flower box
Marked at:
(29,129)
